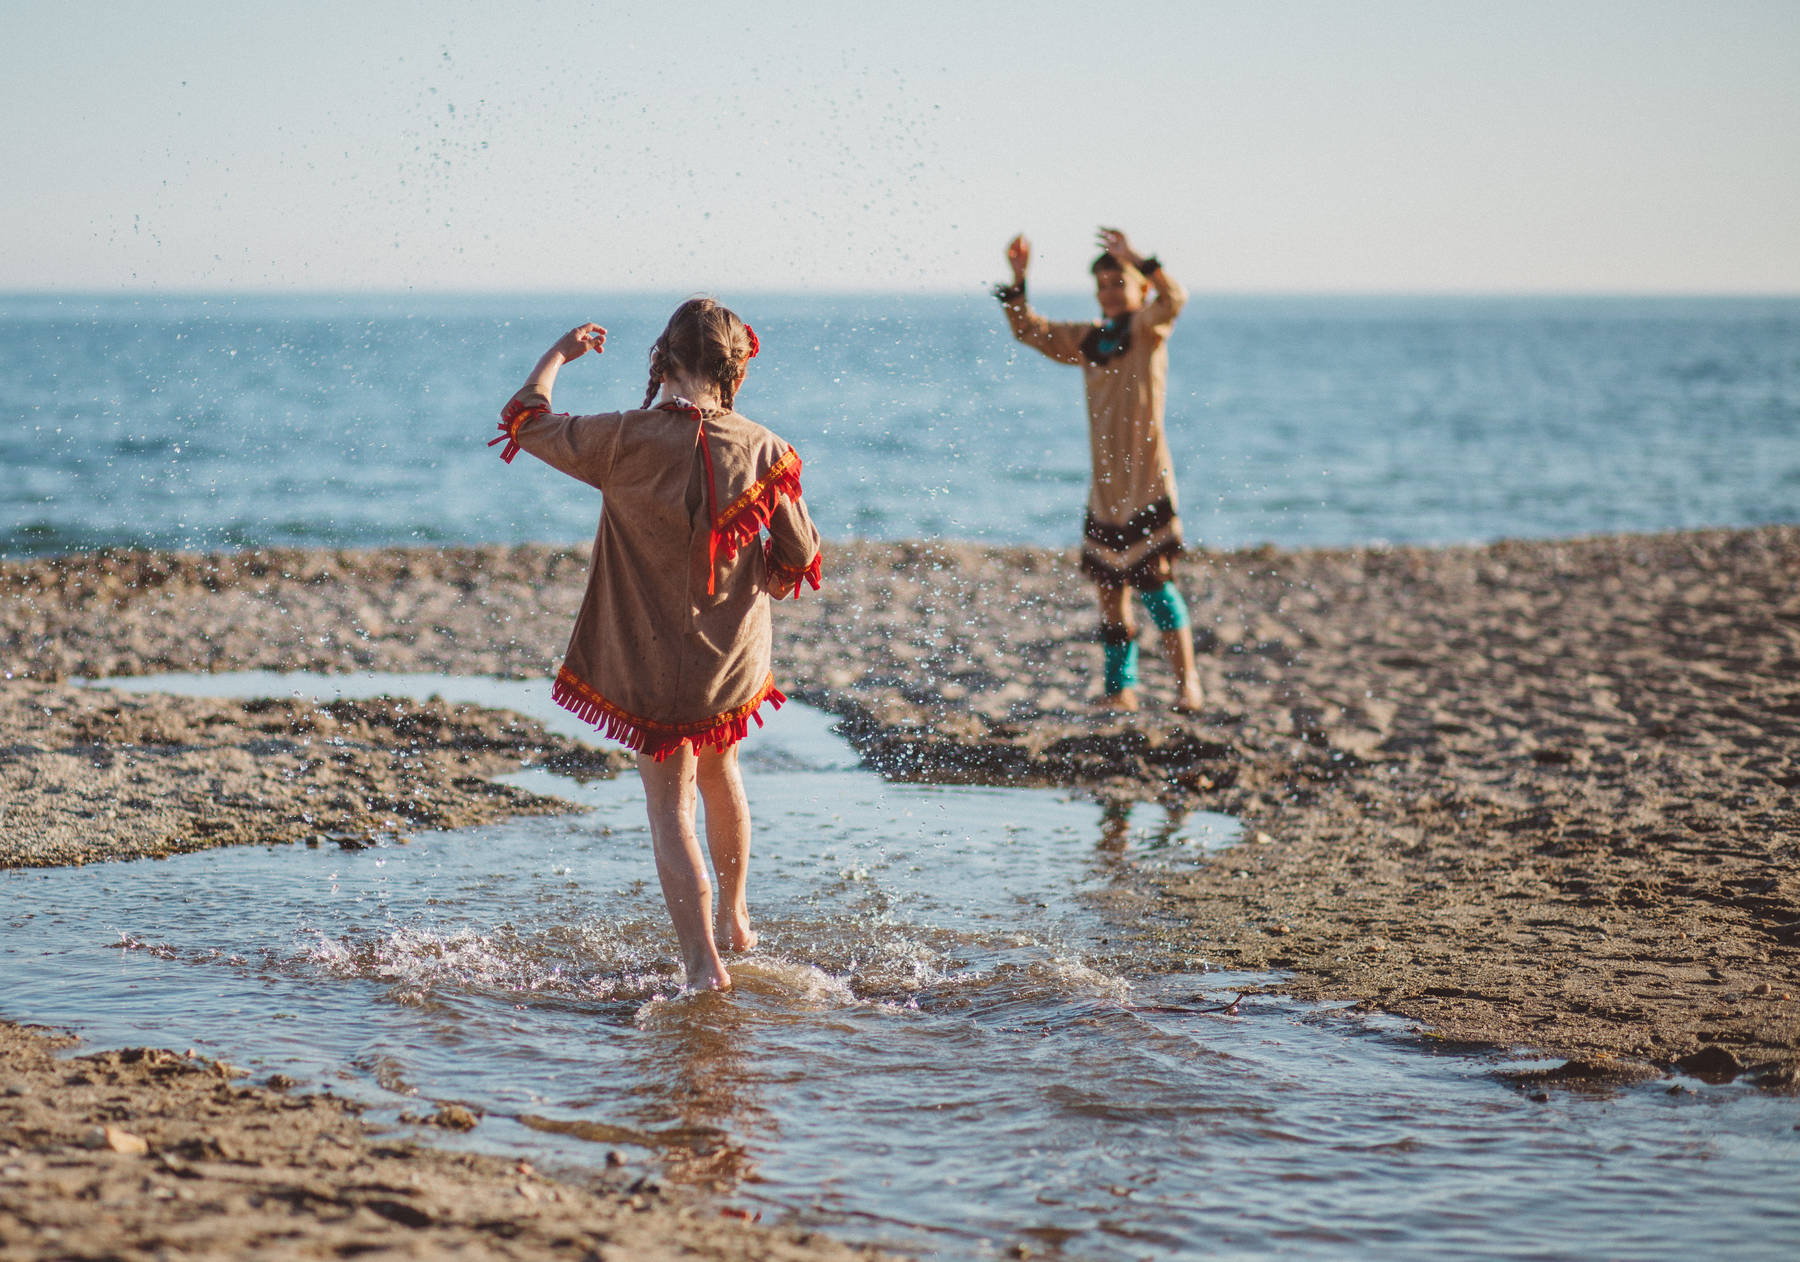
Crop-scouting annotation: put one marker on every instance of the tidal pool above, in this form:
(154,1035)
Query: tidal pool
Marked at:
(935,1047)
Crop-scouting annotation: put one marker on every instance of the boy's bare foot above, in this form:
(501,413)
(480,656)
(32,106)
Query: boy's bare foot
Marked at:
(1125,699)
(1190,700)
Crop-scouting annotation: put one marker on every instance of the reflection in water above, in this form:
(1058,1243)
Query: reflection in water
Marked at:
(700,1061)
(1115,826)
(1159,827)
(693,1105)
(928,1049)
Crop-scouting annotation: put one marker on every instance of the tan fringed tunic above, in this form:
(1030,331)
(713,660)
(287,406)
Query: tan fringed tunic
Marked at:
(1131,510)
(672,641)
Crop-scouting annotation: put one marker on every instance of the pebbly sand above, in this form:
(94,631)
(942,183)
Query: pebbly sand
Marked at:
(142,1153)
(1543,795)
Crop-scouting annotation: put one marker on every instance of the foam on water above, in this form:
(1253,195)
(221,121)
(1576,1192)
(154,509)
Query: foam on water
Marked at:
(934,1046)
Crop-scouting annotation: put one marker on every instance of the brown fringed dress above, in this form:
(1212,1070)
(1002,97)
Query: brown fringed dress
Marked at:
(1131,510)
(672,641)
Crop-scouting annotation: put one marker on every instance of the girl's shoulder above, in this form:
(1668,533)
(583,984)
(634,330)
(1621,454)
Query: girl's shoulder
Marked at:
(723,423)
(736,427)
(730,435)
(654,430)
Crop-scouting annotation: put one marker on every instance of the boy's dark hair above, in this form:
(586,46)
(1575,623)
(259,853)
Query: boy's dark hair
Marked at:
(702,339)
(1107,262)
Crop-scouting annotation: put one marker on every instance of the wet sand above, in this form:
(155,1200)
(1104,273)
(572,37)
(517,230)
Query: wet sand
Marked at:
(143,1153)
(89,774)
(1535,794)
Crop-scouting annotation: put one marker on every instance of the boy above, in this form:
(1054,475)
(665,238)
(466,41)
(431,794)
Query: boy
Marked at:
(1132,530)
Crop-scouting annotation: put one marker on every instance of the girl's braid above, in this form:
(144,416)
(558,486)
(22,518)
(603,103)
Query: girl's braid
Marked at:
(656,374)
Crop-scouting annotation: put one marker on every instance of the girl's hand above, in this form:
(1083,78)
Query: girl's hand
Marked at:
(580,340)
(1114,243)
(1018,254)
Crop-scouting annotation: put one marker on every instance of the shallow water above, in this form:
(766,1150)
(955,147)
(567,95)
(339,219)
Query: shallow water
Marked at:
(933,1047)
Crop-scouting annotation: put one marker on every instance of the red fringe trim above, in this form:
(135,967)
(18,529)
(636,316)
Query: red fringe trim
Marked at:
(659,740)
(513,415)
(748,515)
(782,575)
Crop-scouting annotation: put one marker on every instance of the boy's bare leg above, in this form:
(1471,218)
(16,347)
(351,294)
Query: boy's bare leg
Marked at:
(1115,611)
(1179,645)
(669,798)
(728,837)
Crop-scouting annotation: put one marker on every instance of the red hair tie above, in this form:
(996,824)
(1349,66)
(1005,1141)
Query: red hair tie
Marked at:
(755,346)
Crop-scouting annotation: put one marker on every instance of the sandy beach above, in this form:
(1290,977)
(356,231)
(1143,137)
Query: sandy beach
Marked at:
(1537,795)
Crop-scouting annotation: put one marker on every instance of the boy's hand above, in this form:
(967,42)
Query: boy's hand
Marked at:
(1113,241)
(1018,253)
(580,340)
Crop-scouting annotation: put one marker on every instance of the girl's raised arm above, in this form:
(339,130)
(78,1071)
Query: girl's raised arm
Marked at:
(577,342)
(580,446)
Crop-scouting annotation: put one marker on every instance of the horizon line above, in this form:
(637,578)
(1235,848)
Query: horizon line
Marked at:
(983,290)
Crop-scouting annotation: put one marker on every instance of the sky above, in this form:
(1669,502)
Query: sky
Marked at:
(1580,146)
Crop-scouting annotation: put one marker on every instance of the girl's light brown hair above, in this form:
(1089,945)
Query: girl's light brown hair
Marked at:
(702,340)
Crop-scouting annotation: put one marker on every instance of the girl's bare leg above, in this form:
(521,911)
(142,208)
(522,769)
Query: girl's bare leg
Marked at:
(728,837)
(669,797)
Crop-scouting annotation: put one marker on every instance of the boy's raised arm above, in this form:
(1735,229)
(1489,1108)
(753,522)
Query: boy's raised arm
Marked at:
(1060,340)
(1166,301)
(1168,296)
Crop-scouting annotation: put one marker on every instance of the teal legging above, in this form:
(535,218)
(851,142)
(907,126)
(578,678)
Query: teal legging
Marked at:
(1167,610)
(1166,607)
(1121,666)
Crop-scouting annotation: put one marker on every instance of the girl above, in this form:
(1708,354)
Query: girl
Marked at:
(670,653)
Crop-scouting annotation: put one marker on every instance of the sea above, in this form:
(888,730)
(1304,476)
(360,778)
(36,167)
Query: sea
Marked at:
(206,422)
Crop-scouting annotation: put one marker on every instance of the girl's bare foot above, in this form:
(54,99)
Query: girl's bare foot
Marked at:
(705,970)
(709,977)
(736,933)
(1125,699)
